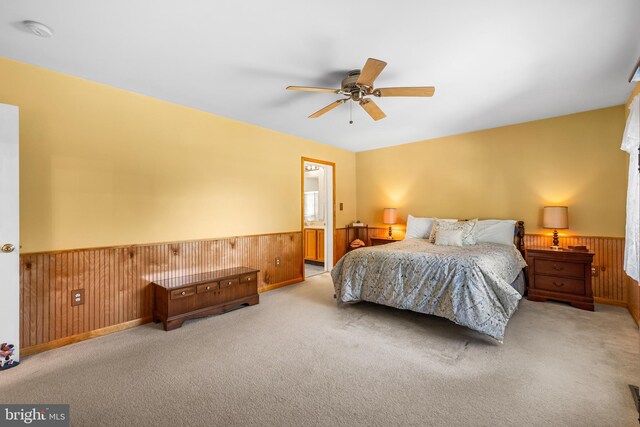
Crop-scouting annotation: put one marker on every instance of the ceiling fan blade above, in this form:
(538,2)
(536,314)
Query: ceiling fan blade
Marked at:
(405,91)
(312,89)
(372,109)
(328,108)
(372,69)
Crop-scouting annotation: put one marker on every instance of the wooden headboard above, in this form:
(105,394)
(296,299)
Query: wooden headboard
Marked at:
(518,236)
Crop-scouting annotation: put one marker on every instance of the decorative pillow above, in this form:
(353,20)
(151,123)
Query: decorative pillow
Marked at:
(467,228)
(418,228)
(449,238)
(470,238)
(496,231)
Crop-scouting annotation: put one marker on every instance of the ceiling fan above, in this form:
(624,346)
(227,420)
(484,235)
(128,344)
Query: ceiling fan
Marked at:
(358,85)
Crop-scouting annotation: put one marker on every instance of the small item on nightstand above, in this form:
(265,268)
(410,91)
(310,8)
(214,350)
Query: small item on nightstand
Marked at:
(357,243)
(581,248)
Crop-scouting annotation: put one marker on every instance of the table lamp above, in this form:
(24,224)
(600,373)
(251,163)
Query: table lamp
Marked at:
(390,217)
(555,217)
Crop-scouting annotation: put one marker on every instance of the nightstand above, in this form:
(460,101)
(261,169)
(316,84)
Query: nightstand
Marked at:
(561,275)
(376,241)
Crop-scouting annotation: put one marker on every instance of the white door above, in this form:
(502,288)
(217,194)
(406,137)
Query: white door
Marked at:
(328,230)
(9,236)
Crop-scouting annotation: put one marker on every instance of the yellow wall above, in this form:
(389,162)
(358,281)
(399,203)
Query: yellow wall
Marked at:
(507,172)
(101,166)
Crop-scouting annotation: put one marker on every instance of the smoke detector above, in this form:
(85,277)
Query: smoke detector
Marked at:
(38,28)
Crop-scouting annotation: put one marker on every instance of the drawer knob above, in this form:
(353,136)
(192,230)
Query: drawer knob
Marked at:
(208,287)
(183,293)
(248,279)
(558,285)
(556,267)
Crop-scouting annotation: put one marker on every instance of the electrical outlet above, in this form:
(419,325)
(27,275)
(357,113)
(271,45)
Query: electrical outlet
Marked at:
(341,206)
(77,297)
(594,271)
(277,261)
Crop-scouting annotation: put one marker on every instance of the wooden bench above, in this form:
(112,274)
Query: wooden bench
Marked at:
(200,295)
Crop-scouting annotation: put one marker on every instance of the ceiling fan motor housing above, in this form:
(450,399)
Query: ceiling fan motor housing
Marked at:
(349,86)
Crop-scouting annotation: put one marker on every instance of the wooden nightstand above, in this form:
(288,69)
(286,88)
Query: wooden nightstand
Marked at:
(376,241)
(562,275)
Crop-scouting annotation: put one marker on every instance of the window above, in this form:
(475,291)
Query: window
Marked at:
(311,206)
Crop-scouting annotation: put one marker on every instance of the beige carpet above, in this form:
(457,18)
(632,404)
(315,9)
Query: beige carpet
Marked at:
(296,359)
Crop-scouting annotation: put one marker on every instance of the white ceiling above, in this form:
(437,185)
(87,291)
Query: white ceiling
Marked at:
(493,62)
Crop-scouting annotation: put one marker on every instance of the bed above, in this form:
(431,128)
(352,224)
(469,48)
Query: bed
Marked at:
(477,286)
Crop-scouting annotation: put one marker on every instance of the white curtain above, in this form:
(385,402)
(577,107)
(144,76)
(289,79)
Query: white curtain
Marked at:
(630,143)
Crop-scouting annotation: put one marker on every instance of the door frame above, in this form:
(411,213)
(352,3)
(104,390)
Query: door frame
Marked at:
(333,231)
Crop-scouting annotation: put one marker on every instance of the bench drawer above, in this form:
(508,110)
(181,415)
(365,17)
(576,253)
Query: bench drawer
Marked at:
(249,278)
(228,282)
(183,292)
(208,287)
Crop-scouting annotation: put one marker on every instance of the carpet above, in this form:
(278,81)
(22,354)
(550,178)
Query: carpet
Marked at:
(297,359)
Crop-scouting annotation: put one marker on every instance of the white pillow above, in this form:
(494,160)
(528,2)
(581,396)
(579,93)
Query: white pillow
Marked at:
(418,228)
(496,231)
(449,238)
(467,228)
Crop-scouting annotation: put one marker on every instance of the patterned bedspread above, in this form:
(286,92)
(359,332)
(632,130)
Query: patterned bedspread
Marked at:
(469,285)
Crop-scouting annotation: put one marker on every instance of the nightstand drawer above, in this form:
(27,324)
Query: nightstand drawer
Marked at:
(559,284)
(559,268)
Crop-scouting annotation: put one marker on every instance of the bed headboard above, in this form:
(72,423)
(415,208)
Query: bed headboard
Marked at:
(518,236)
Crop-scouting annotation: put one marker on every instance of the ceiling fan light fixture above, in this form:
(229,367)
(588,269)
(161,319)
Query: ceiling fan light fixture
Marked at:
(38,28)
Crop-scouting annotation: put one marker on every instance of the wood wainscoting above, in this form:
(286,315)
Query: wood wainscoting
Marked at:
(115,282)
(117,294)
(610,286)
(634,300)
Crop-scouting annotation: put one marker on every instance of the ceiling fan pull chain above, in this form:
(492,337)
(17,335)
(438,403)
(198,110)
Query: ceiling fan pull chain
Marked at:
(350,112)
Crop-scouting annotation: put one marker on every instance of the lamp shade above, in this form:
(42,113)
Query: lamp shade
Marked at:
(390,215)
(555,217)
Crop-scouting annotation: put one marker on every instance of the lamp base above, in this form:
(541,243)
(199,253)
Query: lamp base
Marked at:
(390,236)
(556,242)
(555,248)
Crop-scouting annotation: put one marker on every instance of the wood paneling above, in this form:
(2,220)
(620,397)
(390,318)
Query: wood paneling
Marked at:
(634,299)
(383,232)
(116,280)
(340,238)
(117,292)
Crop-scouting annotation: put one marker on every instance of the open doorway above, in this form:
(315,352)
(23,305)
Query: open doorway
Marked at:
(318,215)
